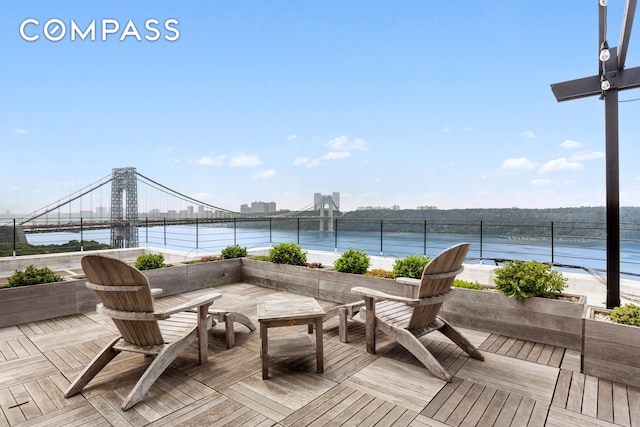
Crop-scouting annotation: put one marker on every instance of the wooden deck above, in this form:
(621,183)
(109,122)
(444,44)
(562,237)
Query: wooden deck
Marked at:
(519,383)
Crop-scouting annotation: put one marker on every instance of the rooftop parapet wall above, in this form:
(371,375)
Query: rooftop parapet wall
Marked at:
(578,283)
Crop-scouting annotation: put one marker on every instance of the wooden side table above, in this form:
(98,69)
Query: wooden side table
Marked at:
(299,311)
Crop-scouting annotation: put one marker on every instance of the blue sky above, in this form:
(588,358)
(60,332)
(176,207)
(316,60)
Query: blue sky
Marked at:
(403,103)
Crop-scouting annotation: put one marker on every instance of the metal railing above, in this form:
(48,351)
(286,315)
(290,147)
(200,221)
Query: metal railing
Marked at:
(565,244)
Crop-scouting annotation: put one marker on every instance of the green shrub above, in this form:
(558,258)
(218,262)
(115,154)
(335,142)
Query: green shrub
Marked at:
(33,276)
(379,272)
(459,283)
(524,279)
(233,251)
(628,314)
(261,258)
(353,261)
(287,253)
(149,261)
(410,266)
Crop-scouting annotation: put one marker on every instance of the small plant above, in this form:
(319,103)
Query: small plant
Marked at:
(149,261)
(353,261)
(524,279)
(261,258)
(33,276)
(379,272)
(410,266)
(233,251)
(459,283)
(628,314)
(287,253)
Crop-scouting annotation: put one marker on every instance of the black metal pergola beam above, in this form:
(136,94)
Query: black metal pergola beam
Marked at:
(610,80)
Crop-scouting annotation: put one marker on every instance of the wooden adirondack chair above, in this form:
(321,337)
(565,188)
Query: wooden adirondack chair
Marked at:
(126,298)
(406,319)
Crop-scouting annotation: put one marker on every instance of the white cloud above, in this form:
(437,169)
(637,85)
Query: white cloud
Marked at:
(241,159)
(211,161)
(336,155)
(571,144)
(20,132)
(561,164)
(301,161)
(342,143)
(313,163)
(528,134)
(587,155)
(266,174)
(518,163)
(292,137)
(541,182)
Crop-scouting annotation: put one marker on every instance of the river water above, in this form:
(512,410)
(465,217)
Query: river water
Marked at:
(485,249)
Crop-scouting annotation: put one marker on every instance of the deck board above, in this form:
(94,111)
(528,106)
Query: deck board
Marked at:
(520,383)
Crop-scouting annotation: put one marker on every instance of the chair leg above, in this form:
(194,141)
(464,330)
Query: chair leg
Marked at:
(101,360)
(415,347)
(461,341)
(156,368)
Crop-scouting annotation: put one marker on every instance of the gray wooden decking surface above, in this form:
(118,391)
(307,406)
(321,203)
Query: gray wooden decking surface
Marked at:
(520,383)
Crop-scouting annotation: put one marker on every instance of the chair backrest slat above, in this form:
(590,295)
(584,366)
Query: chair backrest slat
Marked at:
(447,261)
(134,296)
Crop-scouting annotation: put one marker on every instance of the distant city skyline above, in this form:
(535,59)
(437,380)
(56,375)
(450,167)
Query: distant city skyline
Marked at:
(407,104)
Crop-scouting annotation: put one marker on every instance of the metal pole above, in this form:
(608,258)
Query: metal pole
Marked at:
(553,259)
(81,235)
(335,238)
(381,226)
(197,235)
(424,239)
(298,222)
(14,237)
(270,233)
(164,227)
(481,241)
(613,199)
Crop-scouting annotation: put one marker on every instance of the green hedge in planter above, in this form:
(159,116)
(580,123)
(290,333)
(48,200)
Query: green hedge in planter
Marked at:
(410,266)
(525,279)
(233,251)
(33,276)
(353,261)
(287,253)
(149,261)
(628,314)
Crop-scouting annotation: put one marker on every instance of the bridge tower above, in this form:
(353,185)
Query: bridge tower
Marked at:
(326,204)
(124,208)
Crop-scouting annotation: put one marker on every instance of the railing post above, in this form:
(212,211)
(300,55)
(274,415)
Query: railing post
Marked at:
(424,239)
(197,236)
(552,245)
(481,235)
(164,228)
(381,226)
(335,236)
(270,232)
(298,221)
(14,237)
(146,231)
(235,226)
(81,235)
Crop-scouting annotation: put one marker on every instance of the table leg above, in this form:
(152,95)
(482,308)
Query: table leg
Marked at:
(264,350)
(319,346)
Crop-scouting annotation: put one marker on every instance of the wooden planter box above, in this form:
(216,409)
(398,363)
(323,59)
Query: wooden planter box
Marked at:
(548,321)
(24,304)
(326,284)
(180,278)
(611,350)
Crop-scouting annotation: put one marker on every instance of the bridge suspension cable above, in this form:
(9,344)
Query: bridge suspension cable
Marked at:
(64,201)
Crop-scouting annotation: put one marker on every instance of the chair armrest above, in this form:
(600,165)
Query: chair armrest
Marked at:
(372,293)
(408,281)
(413,302)
(156,292)
(206,299)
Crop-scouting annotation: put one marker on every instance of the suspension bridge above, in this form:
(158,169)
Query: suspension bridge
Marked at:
(132,198)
